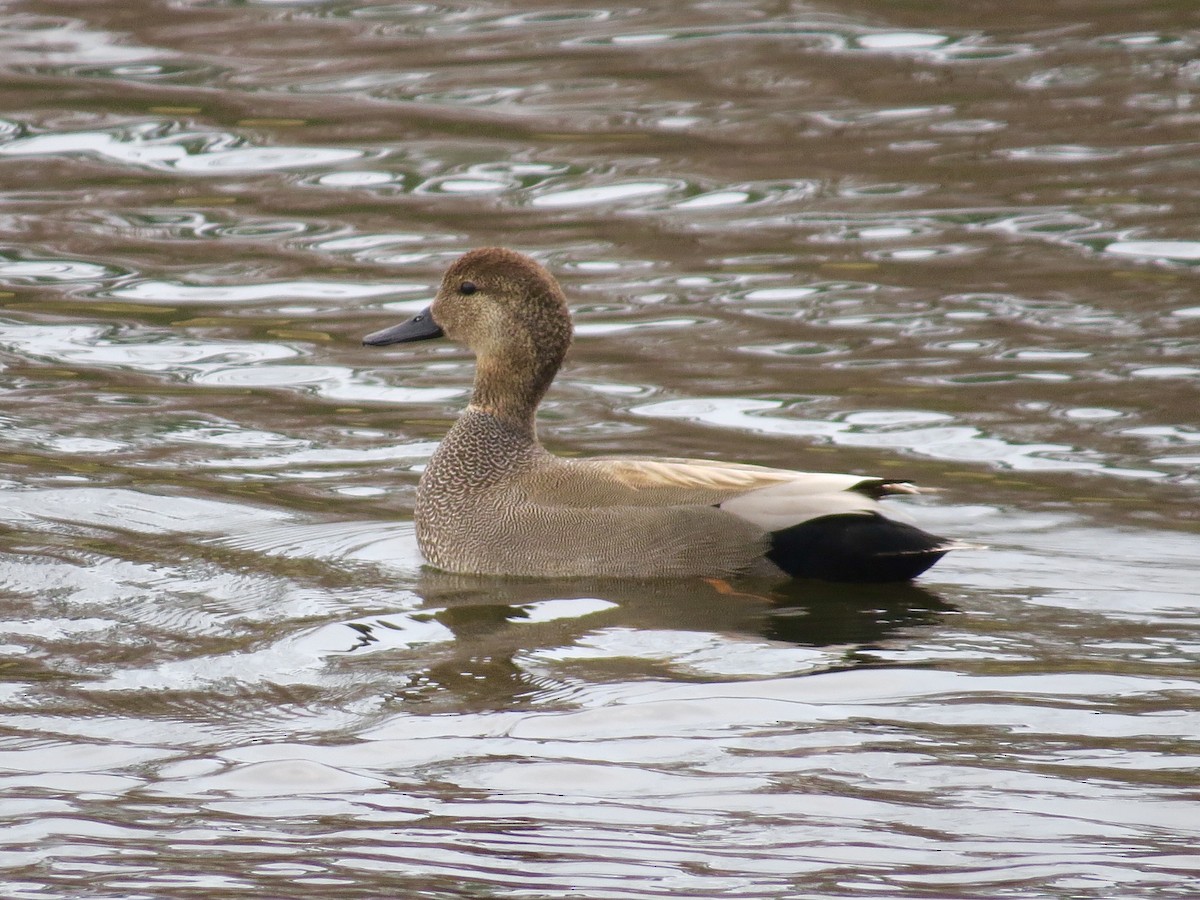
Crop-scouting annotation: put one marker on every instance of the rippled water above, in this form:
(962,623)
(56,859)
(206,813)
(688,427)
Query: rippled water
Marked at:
(937,240)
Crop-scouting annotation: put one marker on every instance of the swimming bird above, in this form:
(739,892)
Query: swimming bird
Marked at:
(492,500)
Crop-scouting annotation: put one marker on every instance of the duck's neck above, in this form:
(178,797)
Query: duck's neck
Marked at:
(511,393)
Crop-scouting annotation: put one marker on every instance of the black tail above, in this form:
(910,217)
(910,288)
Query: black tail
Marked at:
(855,547)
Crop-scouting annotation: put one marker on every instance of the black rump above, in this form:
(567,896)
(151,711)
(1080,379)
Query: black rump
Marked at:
(855,547)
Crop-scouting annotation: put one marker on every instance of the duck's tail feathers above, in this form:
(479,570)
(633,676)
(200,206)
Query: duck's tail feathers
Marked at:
(878,488)
(863,547)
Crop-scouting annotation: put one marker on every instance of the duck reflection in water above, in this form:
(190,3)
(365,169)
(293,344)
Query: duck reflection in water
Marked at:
(491,627)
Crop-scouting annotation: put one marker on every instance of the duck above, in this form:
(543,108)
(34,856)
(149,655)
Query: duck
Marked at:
(493,501)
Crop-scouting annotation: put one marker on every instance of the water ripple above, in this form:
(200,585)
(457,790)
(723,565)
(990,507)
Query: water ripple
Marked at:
(966,239)
(1174,251)
(161,146)
(102,346)
(602,194)
(207,363)
(36,42)
(939,438)
(147,291)
(54,271)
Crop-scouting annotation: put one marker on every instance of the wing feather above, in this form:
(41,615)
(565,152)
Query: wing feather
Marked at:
(731,479)
(770,499)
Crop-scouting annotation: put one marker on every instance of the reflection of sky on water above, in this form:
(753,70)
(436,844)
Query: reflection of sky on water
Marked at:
(934,434)
(954,246)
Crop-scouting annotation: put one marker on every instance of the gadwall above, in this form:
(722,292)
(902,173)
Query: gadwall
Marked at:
(494,501)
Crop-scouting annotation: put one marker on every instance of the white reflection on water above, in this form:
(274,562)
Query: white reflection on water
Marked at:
(602,194)
(262,159)
(152,145)
(324,456)
(962,443)
(823,764)
(174,292)
(1165,372)
(331,382)
(463,185)
(597,329)
(714,199)
(44,271)
(1175,250)
(691,653)
(1061,153)
(105,346)
(133,510)
(282,778)
(215,363)
(44,41)
(901,40)
(357,179)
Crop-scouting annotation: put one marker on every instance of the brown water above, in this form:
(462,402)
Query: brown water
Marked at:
(956,242)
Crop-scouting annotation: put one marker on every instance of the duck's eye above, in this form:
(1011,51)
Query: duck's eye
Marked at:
(467,287)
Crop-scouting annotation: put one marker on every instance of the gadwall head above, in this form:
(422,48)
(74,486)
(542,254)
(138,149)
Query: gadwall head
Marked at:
(511,312)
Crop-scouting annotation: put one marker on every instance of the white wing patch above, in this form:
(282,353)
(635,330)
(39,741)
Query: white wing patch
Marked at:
(781,506)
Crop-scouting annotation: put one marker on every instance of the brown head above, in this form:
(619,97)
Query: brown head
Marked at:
(511,312)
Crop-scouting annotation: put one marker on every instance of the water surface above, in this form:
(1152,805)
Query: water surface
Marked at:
(932,241)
